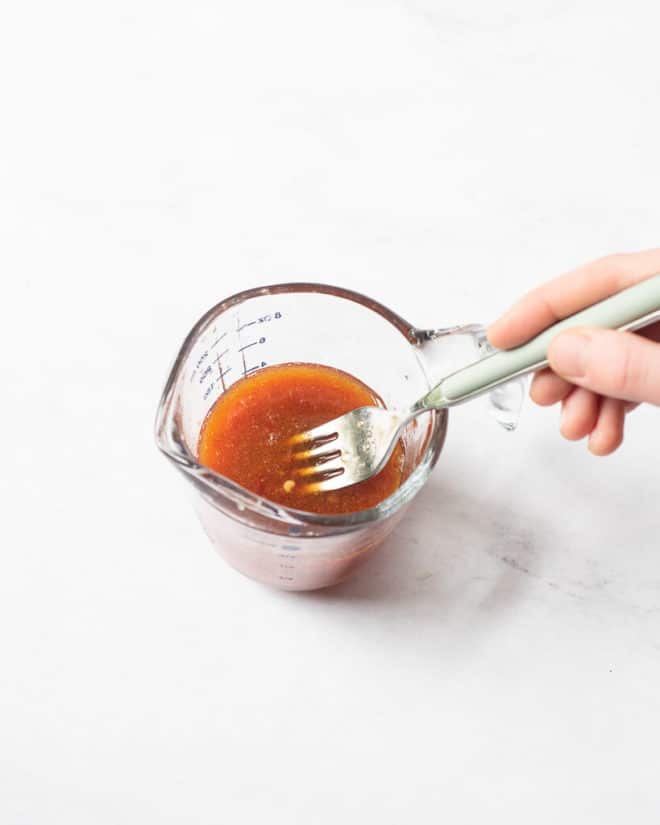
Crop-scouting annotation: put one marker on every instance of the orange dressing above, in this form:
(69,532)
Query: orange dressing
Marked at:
(246,435)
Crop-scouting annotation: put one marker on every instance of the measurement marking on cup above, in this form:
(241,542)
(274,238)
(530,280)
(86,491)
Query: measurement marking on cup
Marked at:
(261,340)
(217,341)
(200,362)
(240,349)
(218,362)
(248,324)
(222,373)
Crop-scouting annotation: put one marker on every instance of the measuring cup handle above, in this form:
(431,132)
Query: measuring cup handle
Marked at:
(632,308)
(449,349)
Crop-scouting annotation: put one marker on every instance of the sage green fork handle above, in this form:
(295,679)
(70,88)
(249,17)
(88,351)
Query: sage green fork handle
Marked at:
(633,308)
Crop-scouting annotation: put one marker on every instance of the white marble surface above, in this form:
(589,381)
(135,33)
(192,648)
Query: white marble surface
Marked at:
(500,661)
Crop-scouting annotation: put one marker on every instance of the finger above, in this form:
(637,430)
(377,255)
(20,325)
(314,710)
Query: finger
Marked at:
(608,433)
(569,293)
(579,414)
(548,388)
(618,364)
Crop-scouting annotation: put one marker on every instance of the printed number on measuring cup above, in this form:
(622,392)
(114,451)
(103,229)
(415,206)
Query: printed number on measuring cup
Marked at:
(266,318)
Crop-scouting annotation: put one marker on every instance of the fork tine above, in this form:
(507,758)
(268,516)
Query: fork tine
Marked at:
(327,483)
(312,447)
(319,453)
(332,464)
(324,432)
(333,480)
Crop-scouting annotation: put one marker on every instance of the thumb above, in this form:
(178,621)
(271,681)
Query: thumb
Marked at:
(615,364)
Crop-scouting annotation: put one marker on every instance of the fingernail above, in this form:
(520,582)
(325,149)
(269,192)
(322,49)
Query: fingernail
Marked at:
(568,354)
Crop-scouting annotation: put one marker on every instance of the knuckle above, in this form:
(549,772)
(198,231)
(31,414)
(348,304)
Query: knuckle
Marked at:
(543,307)
(613,266)
(626,372)
(622,269)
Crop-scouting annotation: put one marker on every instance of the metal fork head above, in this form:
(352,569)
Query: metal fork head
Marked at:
(346,450)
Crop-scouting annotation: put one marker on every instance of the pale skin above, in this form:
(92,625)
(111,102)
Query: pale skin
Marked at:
(597,375)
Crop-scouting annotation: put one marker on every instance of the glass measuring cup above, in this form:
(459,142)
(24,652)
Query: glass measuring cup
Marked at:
(318,324)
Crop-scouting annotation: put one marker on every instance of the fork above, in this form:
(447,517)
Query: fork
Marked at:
(357,445)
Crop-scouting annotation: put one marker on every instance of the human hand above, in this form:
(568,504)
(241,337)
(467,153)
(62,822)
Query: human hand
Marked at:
(597,374)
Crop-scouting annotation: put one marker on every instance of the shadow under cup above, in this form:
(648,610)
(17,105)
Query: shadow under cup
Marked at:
(282,324)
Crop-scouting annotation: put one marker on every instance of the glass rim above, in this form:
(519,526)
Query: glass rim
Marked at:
(170,441)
